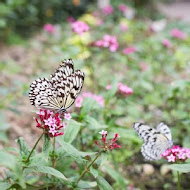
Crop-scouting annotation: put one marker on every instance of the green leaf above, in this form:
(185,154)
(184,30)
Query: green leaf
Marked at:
(94,124)
(72,151)
(4,185)
(184,168)
(24,150)
(111,92)
(7,160)
(103,184)
(48,170)
(87,184)
(116,176)
(94,172)
(4,125)
(71,131)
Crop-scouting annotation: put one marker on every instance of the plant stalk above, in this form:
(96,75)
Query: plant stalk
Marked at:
(86,169)
(27,160)
(178,181)
(53,154)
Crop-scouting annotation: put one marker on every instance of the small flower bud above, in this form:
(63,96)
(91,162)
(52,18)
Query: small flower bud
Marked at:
(95,166)
(87,157)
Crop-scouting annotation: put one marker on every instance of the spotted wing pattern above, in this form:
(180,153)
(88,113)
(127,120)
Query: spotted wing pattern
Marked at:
(155,141)
(60,92)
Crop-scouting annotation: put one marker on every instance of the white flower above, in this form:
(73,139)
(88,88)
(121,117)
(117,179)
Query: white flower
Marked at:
(103,132)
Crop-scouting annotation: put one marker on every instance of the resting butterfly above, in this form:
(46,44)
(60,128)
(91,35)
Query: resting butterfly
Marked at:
(60,92)
(156,141)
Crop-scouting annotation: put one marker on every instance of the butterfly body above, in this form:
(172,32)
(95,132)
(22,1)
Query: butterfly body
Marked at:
(59,92)
(156,141)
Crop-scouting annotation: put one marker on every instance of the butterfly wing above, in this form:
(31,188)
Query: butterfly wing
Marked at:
(164,129)
(66,69)
(68,90)
(43,95)
(155,142)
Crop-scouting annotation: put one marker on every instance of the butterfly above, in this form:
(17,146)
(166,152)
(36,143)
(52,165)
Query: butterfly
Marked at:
(156,141)
(59,92)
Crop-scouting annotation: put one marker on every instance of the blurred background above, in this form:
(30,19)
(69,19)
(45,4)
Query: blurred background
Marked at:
(135,55)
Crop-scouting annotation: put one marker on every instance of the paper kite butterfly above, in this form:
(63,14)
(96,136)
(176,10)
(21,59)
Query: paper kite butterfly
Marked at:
(59,92)
(156,141)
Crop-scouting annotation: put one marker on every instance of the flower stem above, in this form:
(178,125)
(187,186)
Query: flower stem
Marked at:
(178,181)
(53,154)
(86,169)
(27,160)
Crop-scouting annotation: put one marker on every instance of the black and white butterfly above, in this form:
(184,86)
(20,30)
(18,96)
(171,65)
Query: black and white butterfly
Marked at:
(60,92)
(156,141)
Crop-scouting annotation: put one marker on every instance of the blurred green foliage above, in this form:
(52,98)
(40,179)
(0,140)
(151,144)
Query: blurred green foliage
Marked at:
(23,17)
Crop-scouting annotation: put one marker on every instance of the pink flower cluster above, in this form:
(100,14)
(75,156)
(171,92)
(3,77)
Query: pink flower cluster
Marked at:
(176,33)
(166,43)
(107,10)
(51,123)
(122,89)
(122,8)
(177,154)
(108,41)
(49,28)
(79,27)
(70,19)
(129,50)
(99,99)
(109,144)
(123,27)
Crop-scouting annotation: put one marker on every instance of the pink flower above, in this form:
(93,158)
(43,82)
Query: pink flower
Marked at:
(49,28)
(67,116)
(123,27)
(79,27)
(176,33)
(108,41)
(122,89)
(99,99)
(107,10)
(129,50)
(78,102)
(171,158)
(49,122)
(166,43)
(143,66)
(103,132)
(176,154)
(122,7)
(70,19)
(107,144)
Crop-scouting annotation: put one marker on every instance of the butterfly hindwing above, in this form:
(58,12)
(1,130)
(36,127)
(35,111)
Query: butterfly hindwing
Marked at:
(155,140)
(43,95)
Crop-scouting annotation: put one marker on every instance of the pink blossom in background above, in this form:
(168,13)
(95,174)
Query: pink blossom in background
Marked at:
(129,50)
(99,22)
(51,123)
(107,10)
(176,33)
(67,116)
(122,7)
(122,89)
(99,99)
(49,28)
(108,41)
(143,66)
(166,43)
(176,153)
(78,102)
(71,19)
(123,27)
(79,27)
(107,144)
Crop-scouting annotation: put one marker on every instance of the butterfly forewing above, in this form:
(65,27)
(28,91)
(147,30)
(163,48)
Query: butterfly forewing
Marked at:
(164,129)
(155,140)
